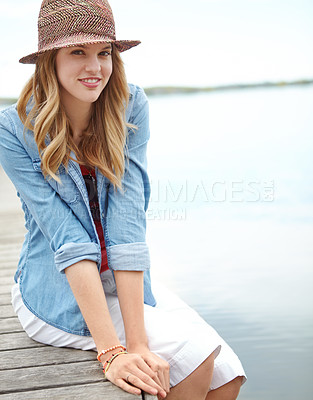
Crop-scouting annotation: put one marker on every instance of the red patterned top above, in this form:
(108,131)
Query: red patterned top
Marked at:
(91,185)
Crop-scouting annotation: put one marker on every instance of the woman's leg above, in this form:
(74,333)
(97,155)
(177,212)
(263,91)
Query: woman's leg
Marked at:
(196,385)
(229,391)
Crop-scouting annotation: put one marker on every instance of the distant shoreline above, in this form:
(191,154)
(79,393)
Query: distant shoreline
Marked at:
(166,90)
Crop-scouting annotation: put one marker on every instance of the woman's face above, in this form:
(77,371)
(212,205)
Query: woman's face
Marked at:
(83,72)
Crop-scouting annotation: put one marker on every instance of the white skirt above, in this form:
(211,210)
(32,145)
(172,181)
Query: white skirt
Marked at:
(175,333)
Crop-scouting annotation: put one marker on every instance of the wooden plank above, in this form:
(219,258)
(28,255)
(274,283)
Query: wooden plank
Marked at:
(11,245)
(5,262)
(5,299)
(47,355)
(11,216)
(7,311)
(9,255)
(10,325)
(10,258)
(7,272)
(17,341)
(7,238)
(14,232)
(7,281)
(7,286)
(10,249)
(8,264)
(11,222)
(11,252)
(5,289)
(16,229)
(93,391)
(50,376)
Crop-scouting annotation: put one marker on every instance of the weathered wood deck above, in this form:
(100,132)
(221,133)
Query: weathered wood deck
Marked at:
(30,370)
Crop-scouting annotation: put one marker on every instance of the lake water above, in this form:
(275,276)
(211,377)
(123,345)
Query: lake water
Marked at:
(230,224)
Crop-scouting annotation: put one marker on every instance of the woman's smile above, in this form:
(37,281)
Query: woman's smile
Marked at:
(91,83)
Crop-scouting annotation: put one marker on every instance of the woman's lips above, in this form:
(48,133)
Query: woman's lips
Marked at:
(90,82)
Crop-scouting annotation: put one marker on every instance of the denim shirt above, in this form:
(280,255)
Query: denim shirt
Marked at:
(60,228)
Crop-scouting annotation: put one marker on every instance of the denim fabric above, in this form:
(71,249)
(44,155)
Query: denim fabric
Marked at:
(60,228)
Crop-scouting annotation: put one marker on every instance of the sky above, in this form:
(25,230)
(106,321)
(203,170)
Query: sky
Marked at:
(189,43)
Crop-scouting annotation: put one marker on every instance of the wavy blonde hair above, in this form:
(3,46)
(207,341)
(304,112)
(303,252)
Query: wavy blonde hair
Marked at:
(104,140)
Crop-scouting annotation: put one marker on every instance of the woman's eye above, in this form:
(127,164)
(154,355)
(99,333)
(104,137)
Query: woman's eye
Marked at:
(105,53)
(77,52)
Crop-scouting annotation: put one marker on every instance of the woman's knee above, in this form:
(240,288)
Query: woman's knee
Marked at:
(196,385)
(229,391)
(234,388)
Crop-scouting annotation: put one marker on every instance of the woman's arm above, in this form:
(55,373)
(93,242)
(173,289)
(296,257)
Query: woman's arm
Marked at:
(130,294)
(126,209)
(86,285)
(65,234)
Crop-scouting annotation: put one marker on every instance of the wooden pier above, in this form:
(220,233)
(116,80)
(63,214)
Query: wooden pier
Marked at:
(28,369)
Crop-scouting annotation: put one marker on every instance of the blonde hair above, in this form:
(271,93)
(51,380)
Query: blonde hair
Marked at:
(104,140)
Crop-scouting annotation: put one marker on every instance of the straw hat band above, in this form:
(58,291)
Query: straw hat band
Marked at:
(66,23)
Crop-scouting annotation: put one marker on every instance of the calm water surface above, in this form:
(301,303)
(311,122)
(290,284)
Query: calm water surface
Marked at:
(230,225)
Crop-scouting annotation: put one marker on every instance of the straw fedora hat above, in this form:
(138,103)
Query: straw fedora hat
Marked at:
(66,23)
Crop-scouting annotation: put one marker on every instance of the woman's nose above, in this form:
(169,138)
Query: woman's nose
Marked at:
(93,64)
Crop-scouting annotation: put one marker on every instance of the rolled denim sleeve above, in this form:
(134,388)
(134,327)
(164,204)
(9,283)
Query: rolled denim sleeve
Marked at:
(126,210)
(66,236)
(71,253)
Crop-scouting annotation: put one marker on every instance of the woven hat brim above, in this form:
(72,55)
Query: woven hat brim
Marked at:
(122,45)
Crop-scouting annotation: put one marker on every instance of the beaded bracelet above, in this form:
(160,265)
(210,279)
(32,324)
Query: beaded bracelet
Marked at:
(102,352)
(109,361)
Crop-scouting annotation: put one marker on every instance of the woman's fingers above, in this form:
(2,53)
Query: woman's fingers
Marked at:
(134,384)
(161,368)
(127,387)
(131,373)
(163,380)
(153,372)
(145,383)
(145,379)
(166,375)
(159,377)
(160,381)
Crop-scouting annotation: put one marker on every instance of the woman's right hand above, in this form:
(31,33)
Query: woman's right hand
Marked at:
(132,374)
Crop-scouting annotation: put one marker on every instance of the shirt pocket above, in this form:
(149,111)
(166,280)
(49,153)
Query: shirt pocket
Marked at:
(66,189)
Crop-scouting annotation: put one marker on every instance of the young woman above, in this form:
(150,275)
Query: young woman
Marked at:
(75,148)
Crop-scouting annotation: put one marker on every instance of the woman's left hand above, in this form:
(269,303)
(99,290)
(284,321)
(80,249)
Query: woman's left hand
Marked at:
(157,364)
